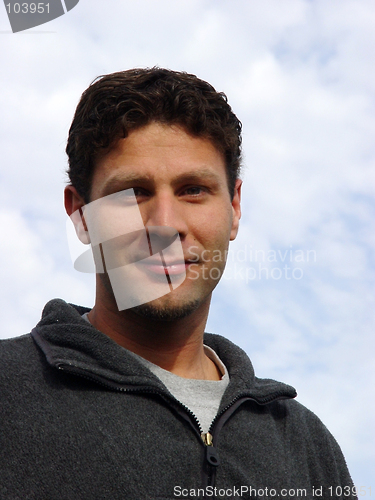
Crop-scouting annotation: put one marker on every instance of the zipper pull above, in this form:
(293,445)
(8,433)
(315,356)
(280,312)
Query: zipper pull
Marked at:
(210,451)
(207,438)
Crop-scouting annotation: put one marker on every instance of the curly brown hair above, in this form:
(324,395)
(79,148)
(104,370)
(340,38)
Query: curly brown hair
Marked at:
(115,104)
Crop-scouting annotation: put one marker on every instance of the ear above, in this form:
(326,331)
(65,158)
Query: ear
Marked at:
(236,209)
(74,202)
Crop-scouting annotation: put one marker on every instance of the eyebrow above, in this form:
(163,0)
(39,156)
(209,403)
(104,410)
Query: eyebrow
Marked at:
(203,174)
(126,181)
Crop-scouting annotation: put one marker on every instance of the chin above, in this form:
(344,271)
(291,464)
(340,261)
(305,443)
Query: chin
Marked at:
(166,312)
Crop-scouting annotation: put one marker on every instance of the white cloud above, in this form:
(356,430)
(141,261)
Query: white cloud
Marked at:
(300,76)
(31,275)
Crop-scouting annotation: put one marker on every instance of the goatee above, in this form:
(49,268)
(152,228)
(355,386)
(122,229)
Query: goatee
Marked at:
(166,312)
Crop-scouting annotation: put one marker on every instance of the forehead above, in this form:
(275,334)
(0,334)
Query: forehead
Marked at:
(158,153)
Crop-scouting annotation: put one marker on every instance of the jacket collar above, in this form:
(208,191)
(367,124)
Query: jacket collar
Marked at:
(69,342)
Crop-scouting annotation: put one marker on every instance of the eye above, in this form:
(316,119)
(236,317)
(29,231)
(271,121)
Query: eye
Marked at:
(140,193)
(194,191)
(128,196)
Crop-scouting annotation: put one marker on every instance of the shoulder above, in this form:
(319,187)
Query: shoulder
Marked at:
(305,423)
(19,358)
(314,441)
(297,423)
(304,419)
(15,349)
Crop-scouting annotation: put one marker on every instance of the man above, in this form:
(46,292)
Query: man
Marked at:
(130,399)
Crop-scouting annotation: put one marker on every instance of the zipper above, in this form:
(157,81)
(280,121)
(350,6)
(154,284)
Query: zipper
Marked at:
(211,454)
(246,397)
(74,370)
(211,457)
(211,461)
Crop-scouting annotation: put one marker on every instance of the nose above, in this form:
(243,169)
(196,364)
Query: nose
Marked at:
(165,217)
(160,238)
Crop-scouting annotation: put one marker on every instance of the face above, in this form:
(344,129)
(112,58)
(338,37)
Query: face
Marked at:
(179,182)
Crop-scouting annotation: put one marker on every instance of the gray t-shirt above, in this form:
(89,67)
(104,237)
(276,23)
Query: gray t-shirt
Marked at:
(201,397)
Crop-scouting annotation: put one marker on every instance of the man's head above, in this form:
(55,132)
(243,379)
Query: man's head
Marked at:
(116,104)
(173,143)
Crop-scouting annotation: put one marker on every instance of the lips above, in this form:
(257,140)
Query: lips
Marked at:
(156,267)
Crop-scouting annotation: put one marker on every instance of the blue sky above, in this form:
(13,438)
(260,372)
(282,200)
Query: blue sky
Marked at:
(300,76)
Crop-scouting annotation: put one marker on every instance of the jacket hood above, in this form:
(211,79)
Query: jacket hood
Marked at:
(68,341)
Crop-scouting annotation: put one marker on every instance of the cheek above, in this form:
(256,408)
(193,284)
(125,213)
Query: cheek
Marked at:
(211,228)
(221,226)
(216,235)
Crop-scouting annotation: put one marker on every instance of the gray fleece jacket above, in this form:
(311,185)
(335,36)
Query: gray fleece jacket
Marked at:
(83,420)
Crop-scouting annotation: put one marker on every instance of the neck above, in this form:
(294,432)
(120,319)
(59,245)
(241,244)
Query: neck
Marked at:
(176,345)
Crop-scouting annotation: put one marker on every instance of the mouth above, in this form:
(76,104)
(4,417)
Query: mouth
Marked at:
(162,268)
